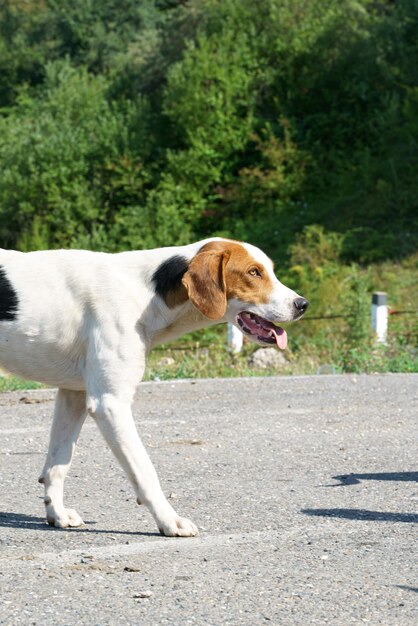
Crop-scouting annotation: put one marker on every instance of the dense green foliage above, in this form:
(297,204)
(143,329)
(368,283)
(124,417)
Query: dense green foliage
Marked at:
(147,123)
(292,124)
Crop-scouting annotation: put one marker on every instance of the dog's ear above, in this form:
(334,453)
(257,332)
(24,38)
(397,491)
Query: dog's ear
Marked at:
(205,283)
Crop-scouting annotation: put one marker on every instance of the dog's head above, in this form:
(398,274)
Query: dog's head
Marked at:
(235,282)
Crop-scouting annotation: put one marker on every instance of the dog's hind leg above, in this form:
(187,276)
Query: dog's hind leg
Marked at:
(69,415)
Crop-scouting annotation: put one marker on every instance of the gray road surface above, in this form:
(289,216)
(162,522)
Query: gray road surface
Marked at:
(303,489)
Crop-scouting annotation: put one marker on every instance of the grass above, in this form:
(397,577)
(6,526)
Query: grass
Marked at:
(13,383)
(329,352)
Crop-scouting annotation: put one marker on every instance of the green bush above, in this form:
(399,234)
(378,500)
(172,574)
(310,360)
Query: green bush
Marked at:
(68,164)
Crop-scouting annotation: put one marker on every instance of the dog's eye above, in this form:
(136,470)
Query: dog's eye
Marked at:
(254,272)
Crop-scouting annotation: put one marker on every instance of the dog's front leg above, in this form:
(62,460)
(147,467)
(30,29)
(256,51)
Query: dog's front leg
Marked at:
(114,418)
(69,415)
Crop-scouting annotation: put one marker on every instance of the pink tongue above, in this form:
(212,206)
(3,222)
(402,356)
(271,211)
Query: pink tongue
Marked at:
(281,337)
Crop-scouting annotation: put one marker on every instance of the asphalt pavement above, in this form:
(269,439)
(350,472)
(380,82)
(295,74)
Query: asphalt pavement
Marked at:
(303,489)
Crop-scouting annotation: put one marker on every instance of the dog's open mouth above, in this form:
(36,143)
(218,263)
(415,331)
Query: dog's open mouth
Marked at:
(262,329)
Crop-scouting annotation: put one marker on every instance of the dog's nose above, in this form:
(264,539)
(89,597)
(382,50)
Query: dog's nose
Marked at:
(301,304)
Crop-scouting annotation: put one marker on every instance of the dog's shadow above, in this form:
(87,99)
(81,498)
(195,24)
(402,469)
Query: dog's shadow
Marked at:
(366,515)
(355,479)
(363,515)
(31,522)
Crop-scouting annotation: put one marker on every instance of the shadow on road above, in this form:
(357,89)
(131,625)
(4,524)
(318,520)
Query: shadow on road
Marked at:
(355,479)
(407,588)
(363,515)
(30,522)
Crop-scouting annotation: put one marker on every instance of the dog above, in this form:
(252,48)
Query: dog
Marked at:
(85,322)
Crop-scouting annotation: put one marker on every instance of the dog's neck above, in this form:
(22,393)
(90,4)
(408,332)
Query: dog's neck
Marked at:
(172,324)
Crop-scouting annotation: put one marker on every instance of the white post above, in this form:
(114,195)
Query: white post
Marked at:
(234,338)
(380,315)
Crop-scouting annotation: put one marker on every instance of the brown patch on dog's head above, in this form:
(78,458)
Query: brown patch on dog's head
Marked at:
(222,270)
(205,282)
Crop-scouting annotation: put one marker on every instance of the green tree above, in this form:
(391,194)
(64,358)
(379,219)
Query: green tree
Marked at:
(181,119)
(70,163)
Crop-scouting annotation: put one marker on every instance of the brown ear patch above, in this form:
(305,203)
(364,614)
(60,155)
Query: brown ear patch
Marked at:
(239,283)
(205,282)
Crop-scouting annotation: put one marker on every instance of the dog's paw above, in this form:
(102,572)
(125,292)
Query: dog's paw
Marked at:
(178,527)
(68,518)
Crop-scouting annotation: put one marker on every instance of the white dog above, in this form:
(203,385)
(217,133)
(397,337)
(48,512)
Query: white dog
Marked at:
(85,322)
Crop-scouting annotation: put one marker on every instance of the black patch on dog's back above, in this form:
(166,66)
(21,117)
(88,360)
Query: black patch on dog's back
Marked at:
(9,302)
(167,277)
